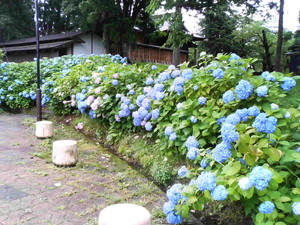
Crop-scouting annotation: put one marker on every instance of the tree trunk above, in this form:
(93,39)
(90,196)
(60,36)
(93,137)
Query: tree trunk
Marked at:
(279,39)
(176,57)
(267,51)
(1,35)
(176,50)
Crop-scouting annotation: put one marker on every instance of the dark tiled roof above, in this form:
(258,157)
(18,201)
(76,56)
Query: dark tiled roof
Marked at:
(51,45)
(47,38)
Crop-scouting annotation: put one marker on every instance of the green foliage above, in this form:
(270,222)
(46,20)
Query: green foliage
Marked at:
(218,25)
(100,86)
(16,19)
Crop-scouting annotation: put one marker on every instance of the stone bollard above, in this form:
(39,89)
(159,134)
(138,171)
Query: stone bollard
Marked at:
(65,153)
(43,129)
(124,214)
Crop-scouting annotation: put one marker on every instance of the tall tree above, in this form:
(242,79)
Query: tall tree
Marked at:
(115,19)
(277,66)
(218,25)
(17,19)
(53,19)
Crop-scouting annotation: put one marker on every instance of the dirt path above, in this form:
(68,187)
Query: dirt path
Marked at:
(33,191)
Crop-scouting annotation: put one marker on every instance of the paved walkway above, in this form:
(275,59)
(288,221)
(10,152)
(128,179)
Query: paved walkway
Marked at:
(33,191)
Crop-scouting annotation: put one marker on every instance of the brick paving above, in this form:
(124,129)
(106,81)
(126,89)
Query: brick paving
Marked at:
(33,191)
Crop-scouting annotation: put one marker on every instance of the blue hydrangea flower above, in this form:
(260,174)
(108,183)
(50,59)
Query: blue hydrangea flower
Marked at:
(228,133)
(219,193)
(175,73)
(234,56)
(159,95)
(193,182)
(206,181)
(179,106)
(202,100)
(245,183)
(171,67)
(187,74)
(196,87)
(274,106)
(159,87)
(262,91)
(131,106)
(178,81)
(149,81)
(153,67)
(193,153)
(191,142)
(204,163)
(266,207)
(169,131)
(288,83)
(270,78)
(115,82)
(298,149)
(155,114)
(179,89)
(221,120)
(146,103)
(148,126)
(118,95)
(260,177)
(222,152)
(244,89)
(296,208)
(173,137)
(253,111)
(264,124)
(193,119)
(228,96)
(131,92)
(287,115)
(218,73)
(164,76)
(142,112)
(233,119)
(265,74)
(168,207)
(183,171)
(174,218)
(243,114)
(174,193)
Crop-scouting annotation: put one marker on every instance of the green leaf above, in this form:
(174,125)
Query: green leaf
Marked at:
(259,217)
(280,223)
(250,159)
(232,169)
(192,200)
(285,199)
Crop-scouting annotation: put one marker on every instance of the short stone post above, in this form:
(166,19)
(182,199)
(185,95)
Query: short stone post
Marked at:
(65,153)
(124,214)
(43,129)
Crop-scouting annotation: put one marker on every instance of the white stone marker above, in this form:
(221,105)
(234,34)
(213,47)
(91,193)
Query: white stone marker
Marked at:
(44,129)
(65,153)
(124,214)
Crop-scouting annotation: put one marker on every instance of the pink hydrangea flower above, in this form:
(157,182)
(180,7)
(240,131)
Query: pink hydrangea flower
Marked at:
(97,80)
(97,90)
(143,123)
(115,76)
(79,126)
(117,118)
(89,100)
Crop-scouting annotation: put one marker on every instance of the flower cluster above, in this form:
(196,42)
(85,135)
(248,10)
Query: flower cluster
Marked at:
(265,124)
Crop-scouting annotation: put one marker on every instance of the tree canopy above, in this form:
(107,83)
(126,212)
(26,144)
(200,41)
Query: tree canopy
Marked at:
(16,19)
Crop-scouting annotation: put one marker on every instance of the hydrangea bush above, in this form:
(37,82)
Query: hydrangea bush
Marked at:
(239,141)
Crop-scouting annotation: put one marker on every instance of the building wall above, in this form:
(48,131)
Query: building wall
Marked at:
(93,45)
(24,56)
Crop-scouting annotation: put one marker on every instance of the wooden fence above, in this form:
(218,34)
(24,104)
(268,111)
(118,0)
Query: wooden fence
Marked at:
(155,54)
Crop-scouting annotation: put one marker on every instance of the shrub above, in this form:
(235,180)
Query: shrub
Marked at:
(240,141)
